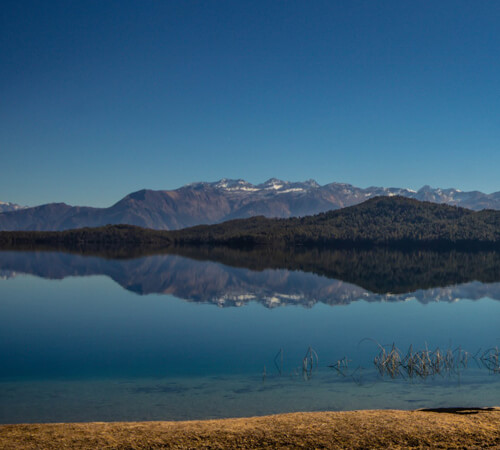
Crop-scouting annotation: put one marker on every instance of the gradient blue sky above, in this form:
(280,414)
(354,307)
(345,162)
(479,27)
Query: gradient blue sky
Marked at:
(101,98)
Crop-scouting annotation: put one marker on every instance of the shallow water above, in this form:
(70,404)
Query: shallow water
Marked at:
(87,338)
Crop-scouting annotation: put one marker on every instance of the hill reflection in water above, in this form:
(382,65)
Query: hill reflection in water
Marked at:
(229,277)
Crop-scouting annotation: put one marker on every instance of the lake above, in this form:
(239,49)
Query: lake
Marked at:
(209,333)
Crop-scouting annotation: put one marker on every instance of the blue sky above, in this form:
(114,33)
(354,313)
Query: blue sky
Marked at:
(102,98)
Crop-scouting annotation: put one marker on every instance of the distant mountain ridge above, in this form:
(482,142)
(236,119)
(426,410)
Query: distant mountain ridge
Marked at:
(226,199)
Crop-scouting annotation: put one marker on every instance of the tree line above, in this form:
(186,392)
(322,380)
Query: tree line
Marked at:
(384,221)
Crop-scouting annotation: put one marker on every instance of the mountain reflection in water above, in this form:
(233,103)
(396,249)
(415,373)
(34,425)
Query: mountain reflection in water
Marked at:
(229,277)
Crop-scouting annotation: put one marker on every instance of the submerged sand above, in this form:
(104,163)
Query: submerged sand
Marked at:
(446,428)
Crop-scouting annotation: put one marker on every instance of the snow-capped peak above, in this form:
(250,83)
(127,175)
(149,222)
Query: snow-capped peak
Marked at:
(273,183)
(311,183)
(8,206)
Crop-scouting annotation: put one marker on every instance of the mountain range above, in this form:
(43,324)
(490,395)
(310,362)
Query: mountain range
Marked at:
(396,222)
(215,202)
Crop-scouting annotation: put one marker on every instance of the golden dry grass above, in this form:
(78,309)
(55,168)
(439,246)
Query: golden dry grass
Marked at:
(472,428)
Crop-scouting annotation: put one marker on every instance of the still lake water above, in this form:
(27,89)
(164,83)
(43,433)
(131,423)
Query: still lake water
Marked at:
(97,338)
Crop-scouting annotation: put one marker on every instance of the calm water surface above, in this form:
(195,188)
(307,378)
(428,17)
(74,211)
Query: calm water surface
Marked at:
(88,338)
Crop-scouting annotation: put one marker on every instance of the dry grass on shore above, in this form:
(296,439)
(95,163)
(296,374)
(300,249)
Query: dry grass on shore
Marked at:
(452,428)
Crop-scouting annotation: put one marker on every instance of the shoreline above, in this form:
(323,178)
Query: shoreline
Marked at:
(446,427)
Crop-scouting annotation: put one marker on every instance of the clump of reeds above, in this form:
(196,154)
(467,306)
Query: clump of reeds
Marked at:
(423,363)
(491,359)
(309,363)
(278,361)
(341,366)
(392,362)
(388,362)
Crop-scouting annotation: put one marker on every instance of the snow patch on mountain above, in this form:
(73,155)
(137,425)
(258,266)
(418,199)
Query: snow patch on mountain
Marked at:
(8,206)
(285,191)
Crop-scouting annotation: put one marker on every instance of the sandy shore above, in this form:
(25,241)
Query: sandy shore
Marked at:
(452,428)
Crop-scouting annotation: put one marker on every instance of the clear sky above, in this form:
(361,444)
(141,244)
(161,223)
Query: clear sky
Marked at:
(100,98)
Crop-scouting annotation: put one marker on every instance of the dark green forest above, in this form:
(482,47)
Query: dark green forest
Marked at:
(393,221)
(383,221)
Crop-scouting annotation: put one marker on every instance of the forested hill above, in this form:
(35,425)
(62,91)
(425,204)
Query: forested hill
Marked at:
(390,221)
(379,221)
